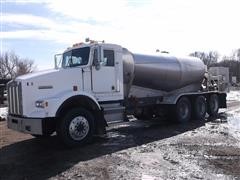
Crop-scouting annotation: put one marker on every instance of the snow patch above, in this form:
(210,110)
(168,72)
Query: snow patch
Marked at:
(147,177)
(233,96)
(3,112)
(234,125)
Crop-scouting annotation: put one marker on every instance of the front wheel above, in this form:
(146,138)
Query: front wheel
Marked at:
(76,127)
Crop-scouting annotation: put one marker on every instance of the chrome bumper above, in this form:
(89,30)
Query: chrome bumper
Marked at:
(25,125)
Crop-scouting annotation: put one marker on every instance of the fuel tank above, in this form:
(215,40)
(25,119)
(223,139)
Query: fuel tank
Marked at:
(162,72)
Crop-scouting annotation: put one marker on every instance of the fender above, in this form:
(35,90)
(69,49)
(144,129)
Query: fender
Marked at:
(69,97)
(90,103)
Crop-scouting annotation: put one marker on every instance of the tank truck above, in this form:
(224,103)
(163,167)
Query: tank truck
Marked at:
(97,83)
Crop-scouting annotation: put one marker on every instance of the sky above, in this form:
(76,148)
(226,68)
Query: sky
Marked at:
(38,29)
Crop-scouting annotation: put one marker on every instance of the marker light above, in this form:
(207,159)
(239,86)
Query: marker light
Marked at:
(41,104)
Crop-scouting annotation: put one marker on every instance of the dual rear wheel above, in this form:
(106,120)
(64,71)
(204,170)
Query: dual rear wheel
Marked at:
(200,108)
(197,109)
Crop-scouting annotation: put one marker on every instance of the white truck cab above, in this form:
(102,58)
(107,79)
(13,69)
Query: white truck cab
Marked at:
(89,78)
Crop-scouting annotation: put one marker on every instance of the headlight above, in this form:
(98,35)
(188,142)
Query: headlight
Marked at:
(41,104)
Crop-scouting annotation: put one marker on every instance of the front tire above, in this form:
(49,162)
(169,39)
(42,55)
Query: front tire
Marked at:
(76,128)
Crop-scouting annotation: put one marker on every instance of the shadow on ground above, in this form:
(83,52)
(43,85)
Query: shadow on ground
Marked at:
(41,159)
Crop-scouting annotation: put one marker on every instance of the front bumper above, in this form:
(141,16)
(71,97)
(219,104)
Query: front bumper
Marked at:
(26,125)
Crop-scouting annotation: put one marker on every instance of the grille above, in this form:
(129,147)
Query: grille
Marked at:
(15,98)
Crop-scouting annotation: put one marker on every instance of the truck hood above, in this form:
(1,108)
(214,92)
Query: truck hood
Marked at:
(49,84)
(31,76)
(55,78)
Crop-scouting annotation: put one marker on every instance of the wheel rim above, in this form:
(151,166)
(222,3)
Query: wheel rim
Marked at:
(79,128)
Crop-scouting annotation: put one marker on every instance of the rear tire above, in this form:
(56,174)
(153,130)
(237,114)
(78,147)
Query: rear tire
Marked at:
(213,105)
(76,127)
(200,108)
(183,110)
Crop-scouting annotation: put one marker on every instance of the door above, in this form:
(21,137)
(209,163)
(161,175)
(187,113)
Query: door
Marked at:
(104,73)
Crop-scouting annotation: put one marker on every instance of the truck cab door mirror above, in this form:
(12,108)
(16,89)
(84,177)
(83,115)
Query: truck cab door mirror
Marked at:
(57,61)
(96,61)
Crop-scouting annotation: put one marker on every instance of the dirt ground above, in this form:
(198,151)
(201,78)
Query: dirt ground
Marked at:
(136,150)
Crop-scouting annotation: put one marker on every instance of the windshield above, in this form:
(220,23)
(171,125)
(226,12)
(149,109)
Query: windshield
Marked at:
(76,57)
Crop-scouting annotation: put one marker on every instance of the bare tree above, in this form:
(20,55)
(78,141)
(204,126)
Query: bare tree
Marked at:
(8,62)
(11,65)
(232,62)
(208,58)
(213,57)
(236,55)
(25,66)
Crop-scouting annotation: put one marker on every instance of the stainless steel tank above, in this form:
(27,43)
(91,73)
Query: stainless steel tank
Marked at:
(162,72)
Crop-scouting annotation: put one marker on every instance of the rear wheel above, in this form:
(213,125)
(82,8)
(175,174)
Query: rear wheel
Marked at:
(76,128)
(213,105)
(200,108)
(183,110)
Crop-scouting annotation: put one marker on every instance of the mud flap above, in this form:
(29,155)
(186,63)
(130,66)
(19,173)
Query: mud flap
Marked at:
(100,123)
(48,125)
(222,100)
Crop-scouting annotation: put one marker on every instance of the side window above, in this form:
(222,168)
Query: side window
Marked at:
(108,58)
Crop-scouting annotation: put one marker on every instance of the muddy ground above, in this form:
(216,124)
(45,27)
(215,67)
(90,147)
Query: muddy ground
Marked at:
(136,150)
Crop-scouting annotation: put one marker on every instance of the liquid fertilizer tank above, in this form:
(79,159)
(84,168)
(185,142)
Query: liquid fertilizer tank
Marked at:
(162,72)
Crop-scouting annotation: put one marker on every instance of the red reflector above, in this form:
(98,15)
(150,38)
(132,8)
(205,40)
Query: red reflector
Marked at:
(75,88)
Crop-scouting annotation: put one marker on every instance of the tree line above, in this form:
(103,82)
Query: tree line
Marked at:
(12,65)
(212,58)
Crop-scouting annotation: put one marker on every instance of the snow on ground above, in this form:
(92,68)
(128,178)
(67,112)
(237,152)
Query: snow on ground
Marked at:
(3,112)
(233,96)
(234,115)
(234,125)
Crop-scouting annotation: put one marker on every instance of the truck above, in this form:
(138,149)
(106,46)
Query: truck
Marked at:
(95,84)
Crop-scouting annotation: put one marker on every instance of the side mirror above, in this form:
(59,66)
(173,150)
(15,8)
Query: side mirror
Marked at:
(96,61)
(57,60)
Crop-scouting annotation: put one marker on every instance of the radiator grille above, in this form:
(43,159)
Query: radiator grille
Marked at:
(14,90)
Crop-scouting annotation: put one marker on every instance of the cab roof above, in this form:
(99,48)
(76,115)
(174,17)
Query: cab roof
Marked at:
(91,44)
